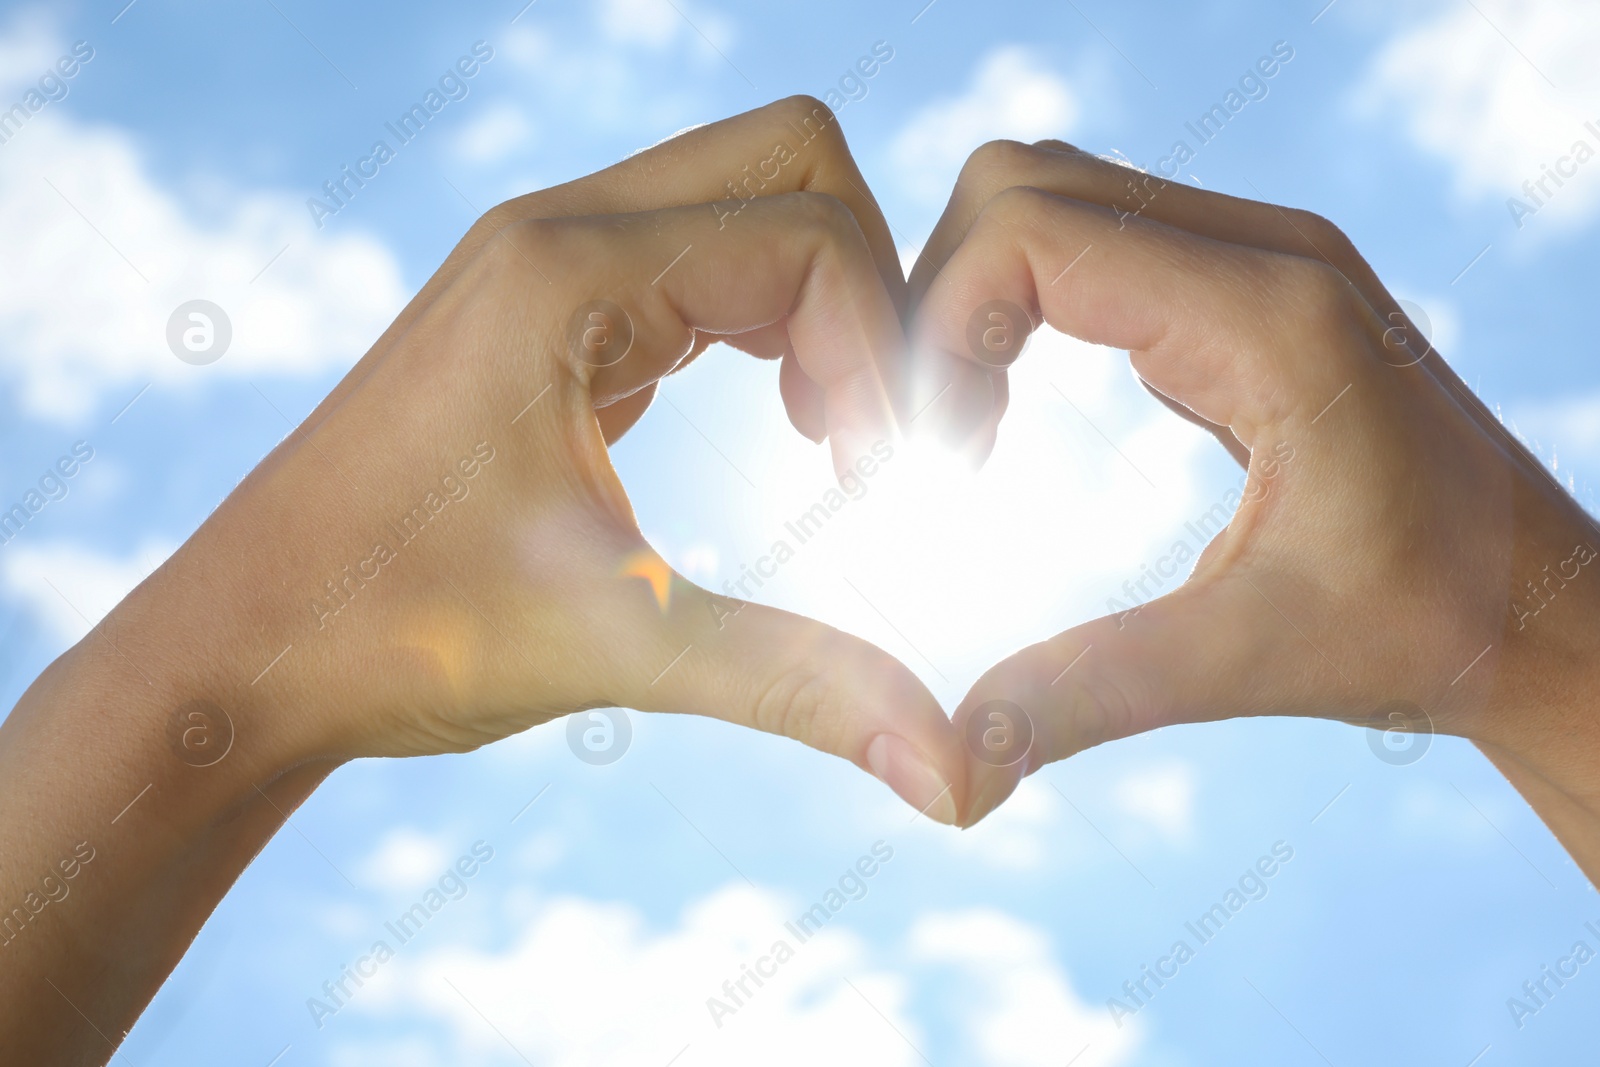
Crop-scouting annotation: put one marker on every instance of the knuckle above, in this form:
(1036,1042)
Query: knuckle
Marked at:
(1099,709)
(504,214)
(1326,238)
(514,247)
(1313,290)
(805,112)
(798,703)
(996,164)
(1091,705)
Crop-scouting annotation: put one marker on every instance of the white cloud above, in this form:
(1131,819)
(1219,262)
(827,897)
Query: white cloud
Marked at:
(1161,797)
(1470,84)
(1011,94)
(406,859)
(697,560)
(1427,811)
(1564,433)
(527,47)
(29,47)
(98,255)
(1017,1006)
(657,24)
(502,129)
(71,588)
(590,983)
(648,22)
(588,93)
(1440,320)
(1017,836)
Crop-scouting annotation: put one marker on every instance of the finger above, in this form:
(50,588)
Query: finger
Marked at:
(952,399)
(767,342)
(618,418)
(1204,321)
(988,171)
(798,259)
(1201,653)
(803,399)
(729,163)
(738,157)
(966,418)
(1000,165)
(788,675)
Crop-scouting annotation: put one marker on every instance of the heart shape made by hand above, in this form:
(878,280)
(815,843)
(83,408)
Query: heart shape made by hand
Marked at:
(1341,578)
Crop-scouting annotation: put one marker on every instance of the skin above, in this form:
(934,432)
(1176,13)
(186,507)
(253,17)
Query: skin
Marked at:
(511,607)
(1394,538)
(1387,560)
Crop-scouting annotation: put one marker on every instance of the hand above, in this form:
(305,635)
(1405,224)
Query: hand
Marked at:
(442,555)
(533,594)
(1395,549)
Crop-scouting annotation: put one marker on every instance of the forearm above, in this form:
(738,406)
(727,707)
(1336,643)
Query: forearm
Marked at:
(1541,727)
(1574,819)
(120,835)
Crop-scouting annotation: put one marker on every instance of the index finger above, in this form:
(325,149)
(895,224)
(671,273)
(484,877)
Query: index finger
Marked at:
(1202,319)
(788,146)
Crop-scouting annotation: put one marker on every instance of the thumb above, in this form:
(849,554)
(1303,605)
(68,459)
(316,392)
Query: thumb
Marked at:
(1206,651)
(786,674)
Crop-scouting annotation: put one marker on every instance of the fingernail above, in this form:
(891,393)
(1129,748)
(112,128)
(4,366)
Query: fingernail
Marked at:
(990,796)
(903,769)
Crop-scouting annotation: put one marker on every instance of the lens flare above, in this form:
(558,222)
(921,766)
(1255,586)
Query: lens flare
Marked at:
(646,564)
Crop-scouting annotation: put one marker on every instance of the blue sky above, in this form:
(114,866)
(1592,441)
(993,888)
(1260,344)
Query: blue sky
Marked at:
(1419,897)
